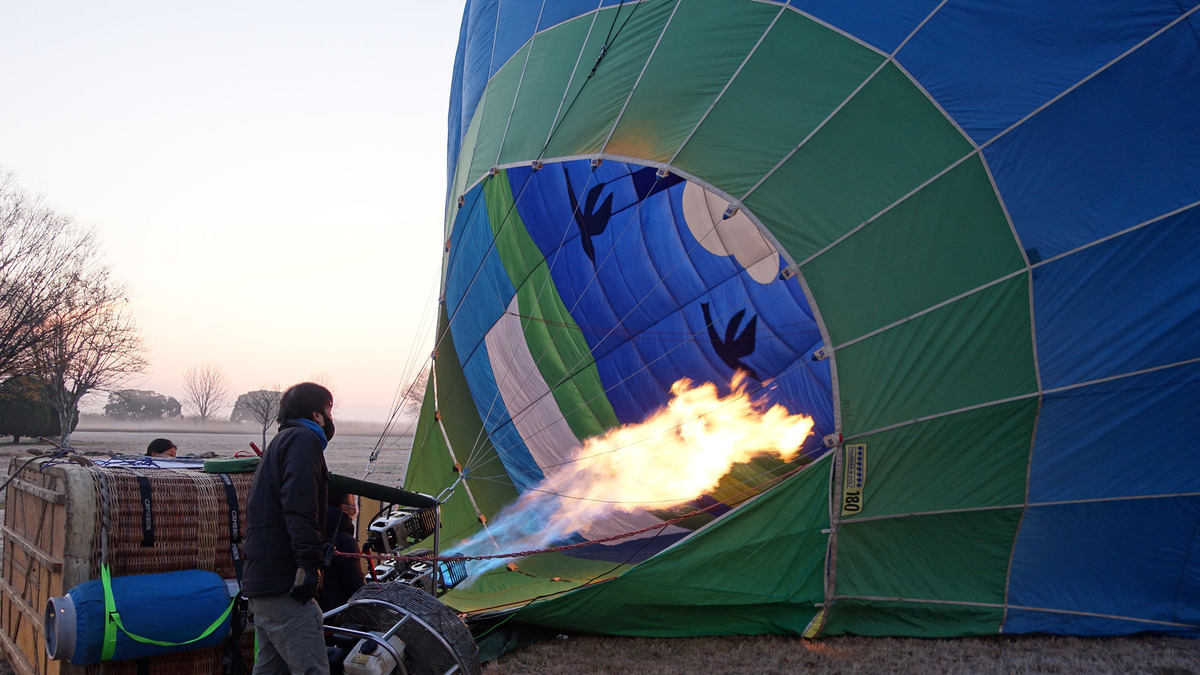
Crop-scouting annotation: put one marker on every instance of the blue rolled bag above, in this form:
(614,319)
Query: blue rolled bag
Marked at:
(133,617)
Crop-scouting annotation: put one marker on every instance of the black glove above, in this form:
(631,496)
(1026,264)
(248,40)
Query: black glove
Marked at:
(308,580)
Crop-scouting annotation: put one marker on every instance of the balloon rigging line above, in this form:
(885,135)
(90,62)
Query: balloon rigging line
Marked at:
(1115,235)
(578,365)
(605,576)
(911,193)
(571,79)
(661,282)
(932,308)
(566,547)
(641,73)
(833,113)
(467,222)
(610,571)
(1090,76)
(639,207)
(520,81)
(640,202)
(721,94)
(670,336)
(951,300)
(1021,397)
(472,455)
(583,363)
(491,246)
(455,253)
(909,37)
(609,40)
(652,436)
(575,368)
(797,365)
(525,66)
(799,362)
(566,230)
(400,399)
(478,444)
(546,281)
(888,58)
(750,490)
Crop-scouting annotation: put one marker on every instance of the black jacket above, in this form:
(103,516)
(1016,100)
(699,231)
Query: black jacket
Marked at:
(344,575)
(285,512)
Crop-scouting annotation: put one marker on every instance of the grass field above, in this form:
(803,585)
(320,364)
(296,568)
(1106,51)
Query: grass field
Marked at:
(769,654)
(998,655)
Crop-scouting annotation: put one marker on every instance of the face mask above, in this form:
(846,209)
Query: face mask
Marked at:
(328,428)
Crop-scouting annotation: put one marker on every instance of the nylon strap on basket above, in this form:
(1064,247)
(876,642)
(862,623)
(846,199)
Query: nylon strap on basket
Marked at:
(235,529)
(113,621)
(110,610)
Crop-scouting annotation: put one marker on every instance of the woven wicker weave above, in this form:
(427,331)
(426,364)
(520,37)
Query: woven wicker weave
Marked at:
(191,531)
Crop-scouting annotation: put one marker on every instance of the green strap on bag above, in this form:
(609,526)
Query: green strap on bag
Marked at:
(112,622)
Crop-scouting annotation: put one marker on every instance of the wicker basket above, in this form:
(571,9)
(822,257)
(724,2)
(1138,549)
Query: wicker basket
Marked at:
(62,517)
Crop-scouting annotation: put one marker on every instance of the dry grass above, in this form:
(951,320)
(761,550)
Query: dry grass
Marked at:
(1001,655)
(764,655)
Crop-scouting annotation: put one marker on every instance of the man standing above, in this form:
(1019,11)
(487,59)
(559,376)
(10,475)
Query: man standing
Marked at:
(285,522)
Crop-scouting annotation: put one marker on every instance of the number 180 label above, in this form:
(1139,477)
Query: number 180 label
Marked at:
(854,476)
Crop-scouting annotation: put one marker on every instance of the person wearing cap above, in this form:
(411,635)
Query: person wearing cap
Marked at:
(161,448)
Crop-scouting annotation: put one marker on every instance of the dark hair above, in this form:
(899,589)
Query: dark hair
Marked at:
(300,401)
(159,446)
(338,498)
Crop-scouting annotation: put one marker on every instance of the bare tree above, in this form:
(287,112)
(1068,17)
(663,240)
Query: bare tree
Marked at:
(261,405)
(90,343)
(205,391)
(414,394)
(43,257)
(325,379)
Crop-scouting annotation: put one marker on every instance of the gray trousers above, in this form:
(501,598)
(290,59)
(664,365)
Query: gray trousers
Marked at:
(289,637)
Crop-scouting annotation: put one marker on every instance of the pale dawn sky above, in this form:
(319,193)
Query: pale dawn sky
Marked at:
(266,176)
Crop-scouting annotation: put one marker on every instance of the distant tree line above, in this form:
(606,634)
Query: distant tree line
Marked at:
(66,333)
(141,406)
(65,327)
(205,395)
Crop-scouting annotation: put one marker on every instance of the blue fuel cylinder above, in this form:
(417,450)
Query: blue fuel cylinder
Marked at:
(170,607)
